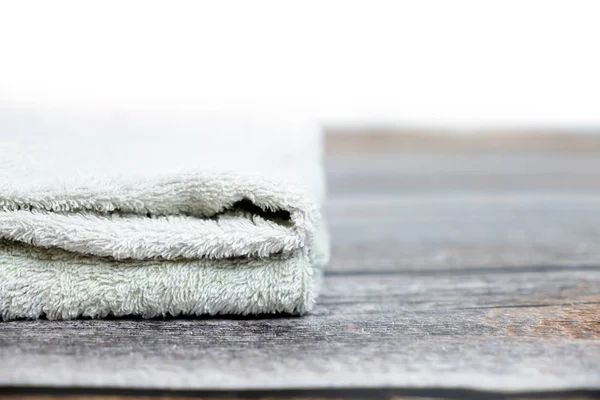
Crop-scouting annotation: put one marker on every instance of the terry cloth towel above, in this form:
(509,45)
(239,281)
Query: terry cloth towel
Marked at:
(130,213)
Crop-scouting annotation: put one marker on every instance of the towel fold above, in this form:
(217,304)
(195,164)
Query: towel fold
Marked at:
(133,213)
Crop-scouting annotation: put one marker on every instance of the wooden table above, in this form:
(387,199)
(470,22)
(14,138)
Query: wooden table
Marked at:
(461,267)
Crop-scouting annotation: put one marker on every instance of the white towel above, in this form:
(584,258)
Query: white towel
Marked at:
(139,213)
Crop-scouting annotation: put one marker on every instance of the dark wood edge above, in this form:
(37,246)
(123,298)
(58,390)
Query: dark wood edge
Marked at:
(355,393)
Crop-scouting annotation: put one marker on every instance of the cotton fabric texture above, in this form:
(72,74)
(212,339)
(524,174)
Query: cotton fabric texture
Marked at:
(143,213)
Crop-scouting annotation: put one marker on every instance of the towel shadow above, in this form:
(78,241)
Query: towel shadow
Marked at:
(111,317)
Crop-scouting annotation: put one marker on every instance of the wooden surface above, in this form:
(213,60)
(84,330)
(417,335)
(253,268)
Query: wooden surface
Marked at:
(452,271)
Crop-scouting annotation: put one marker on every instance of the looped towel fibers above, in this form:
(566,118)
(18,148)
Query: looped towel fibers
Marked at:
(139,213)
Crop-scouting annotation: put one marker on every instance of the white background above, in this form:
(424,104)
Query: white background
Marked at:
(448,63)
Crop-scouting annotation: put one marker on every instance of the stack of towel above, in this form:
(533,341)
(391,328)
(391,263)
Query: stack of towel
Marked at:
(133,213)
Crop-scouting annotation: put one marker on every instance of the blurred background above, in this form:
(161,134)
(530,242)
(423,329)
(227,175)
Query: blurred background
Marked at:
(452,66)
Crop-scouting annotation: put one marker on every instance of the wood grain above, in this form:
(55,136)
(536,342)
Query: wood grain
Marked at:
(450,272)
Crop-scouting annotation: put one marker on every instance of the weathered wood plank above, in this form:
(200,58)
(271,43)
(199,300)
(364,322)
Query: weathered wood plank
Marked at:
(464,231)
(358,140)
(406,173)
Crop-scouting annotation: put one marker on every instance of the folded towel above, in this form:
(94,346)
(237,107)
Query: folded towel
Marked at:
(133,213)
